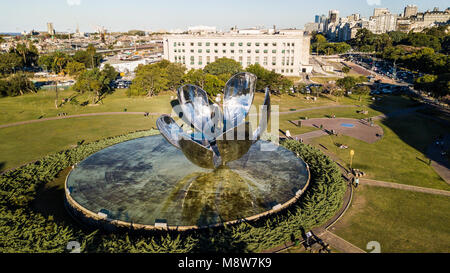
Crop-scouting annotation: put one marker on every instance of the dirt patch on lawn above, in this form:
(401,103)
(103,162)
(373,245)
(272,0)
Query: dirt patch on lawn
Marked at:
(358,204)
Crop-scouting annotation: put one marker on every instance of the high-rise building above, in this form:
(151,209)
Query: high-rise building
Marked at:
(410,10)
(286,53)
(333,16)
(317,19)
(50,29)
(380,11)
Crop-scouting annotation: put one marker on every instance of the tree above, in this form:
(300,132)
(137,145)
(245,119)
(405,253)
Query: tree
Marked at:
(345,69)
(150,80)
(29,54)
(74,68)
(423,40)
(17,84)
(9,63)
(346,83)
(88,57)
(95,82)
(175,73)
(266,78)
(361,90)
(223,66)
(60,60)
(208,82)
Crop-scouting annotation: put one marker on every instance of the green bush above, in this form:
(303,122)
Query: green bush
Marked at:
(22,230)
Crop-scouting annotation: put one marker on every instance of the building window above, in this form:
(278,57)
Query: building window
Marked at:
(289,44)
(257,60)
(200,61)
(199,51)
(183,50)
(207,43)
(216,44)
(240,44)
(249,44)
(192,44)
(175,44)
(192,60)
(208,59)
(216,51)
(232,50)
(265,51)
(282,70)
(192,51)
(265,60)
(266,44)
(274,44)
(183,43)
(249,51)
(293,44)
(175,50)
(249,60)
(207,51)
(256,44)
(199,44)
(224,51)
(215,58)
(274,60)
(257,51)
(224,44)
(274,51)
(240,51)
(231,44)
(283,61)
(282,51)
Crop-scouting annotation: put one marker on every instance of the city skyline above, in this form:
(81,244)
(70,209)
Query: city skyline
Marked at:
(66,15)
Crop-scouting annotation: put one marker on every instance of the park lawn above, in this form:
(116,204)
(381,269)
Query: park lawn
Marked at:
(401,221)
(324,80)
(387,104)
(42,105)
(398,157)
(30,142)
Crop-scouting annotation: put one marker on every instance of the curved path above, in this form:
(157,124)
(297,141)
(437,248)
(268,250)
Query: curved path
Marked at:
(371,182)
(76,116)
(151,114)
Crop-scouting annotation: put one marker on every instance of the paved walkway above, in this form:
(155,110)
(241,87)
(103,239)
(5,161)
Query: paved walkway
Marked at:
(371,182)
(317,108)
(76,116)
(151,114)
(339,243)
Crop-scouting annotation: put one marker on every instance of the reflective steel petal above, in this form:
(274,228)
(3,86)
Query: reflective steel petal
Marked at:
(169,129)
(196,109)
(238,97)
(200,155)
(265,116)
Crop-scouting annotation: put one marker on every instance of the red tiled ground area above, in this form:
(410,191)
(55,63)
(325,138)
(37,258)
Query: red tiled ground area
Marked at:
(361,129)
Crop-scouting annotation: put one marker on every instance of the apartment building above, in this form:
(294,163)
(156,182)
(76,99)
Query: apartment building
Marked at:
(286,53)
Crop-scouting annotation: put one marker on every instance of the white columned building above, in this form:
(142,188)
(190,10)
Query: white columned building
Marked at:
(286,53)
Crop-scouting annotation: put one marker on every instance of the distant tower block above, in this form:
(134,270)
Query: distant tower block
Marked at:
(50,29)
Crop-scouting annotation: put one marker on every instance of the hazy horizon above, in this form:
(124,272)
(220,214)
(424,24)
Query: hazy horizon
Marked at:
(117,15)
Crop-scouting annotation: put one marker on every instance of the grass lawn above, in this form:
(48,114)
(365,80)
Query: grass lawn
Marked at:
(401,221)
(25,143)
(398,156)
(42,104)
(324,80)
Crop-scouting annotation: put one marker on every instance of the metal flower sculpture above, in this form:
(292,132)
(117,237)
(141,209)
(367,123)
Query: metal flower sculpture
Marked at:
(217,137)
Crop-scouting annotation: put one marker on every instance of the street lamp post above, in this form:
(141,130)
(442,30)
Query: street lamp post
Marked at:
(352,153)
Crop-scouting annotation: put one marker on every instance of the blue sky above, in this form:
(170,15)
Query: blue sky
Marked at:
(120,15)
